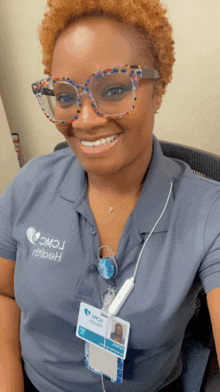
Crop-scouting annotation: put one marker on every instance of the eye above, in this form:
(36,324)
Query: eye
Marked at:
(116,91)
(66,100)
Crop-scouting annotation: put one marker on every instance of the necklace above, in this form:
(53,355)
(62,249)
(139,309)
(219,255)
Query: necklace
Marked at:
(110,209)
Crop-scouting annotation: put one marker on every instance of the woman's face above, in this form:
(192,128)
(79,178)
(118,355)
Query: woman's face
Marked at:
(118,330)
(83,49)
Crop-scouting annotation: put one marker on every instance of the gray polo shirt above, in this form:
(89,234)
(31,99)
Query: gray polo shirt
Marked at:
(46,225)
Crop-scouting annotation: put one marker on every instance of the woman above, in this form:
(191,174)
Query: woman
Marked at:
(91,208)
(117,335)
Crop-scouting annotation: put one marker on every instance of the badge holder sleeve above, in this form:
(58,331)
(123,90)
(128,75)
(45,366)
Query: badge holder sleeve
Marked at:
(103,362)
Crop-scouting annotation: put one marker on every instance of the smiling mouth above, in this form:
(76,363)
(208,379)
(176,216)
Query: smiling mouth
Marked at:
(99,142)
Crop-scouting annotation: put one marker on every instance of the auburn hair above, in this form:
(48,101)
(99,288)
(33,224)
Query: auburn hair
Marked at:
(147,17)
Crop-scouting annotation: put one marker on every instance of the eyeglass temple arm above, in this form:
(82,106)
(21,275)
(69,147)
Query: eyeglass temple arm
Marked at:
(45,91)
(149,73)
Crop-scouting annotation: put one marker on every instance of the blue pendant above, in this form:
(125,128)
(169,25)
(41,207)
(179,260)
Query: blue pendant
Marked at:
(107,267)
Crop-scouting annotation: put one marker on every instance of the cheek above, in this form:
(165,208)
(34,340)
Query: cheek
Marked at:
(65,129)
(145,118)
(139,126)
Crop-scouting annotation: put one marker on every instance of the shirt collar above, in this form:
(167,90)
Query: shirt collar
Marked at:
(74,186)
(161,172)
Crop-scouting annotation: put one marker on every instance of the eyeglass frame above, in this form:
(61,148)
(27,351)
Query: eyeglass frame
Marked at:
(136,72)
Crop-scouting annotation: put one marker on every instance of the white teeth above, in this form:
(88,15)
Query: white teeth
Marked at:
(98,142)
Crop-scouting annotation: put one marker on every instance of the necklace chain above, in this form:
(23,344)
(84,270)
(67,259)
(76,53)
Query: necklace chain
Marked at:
(110,209)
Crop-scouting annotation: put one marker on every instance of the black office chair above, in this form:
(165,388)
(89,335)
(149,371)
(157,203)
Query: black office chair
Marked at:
(199,329)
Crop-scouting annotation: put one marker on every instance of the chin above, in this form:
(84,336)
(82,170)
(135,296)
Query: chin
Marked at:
(99,170)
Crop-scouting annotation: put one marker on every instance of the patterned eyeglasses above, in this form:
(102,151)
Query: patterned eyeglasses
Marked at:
(112,93)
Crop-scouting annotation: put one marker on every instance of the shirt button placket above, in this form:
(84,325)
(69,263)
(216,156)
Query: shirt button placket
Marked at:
(93,269)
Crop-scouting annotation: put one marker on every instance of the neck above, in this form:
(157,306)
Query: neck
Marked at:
(123,182)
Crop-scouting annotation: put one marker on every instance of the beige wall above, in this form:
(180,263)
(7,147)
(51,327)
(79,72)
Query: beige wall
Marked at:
(190,113)
(20,66)
(9,166)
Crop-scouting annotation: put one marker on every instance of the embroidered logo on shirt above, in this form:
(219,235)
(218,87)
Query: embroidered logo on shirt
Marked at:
(36,239)
(32,235)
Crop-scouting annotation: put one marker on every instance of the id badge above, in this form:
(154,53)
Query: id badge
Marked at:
(106,341)
(109,334)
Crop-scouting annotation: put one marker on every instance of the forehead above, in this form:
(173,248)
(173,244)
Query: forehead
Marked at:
(92,44)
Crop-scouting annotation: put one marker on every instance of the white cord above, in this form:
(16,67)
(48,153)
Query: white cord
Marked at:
(108,323)
(103,387)
(164,209)
(109,318)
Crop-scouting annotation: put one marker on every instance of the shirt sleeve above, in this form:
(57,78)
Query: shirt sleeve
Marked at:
(209,270)
(11,201)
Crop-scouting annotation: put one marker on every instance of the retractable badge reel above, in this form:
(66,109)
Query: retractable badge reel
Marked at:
(108,269)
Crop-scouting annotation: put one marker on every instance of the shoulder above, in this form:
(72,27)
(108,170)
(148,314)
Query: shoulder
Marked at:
(193,188)
(195,204)
(40,169)
(40,174)
(56,162)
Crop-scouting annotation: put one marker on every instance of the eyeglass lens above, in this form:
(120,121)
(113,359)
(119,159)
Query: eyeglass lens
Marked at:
(112,94)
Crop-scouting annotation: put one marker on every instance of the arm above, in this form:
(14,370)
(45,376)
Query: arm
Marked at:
(11,372)
(213,301)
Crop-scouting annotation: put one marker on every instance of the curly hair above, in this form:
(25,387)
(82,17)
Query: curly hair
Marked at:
(147,17)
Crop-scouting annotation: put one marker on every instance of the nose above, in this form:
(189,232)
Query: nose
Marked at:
(88,119)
